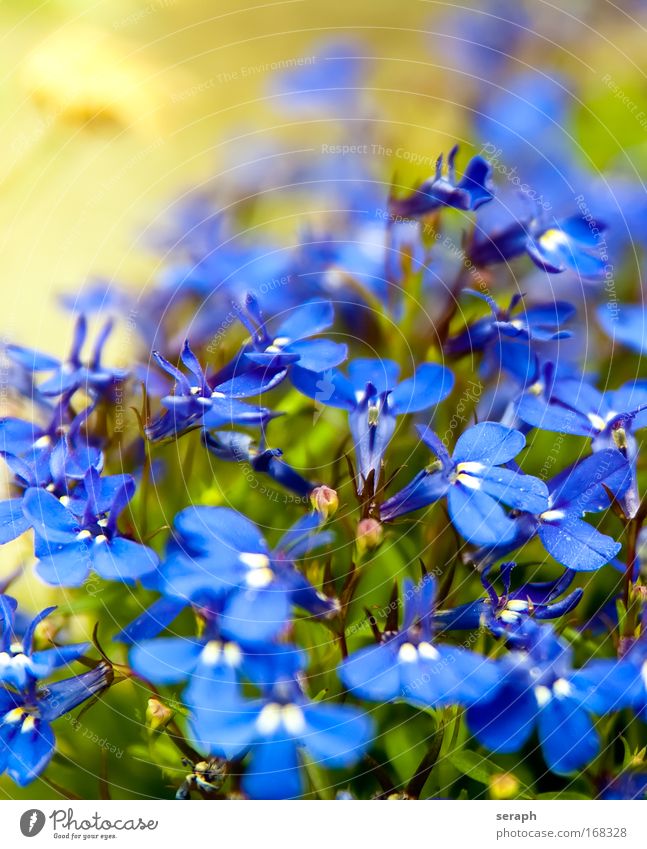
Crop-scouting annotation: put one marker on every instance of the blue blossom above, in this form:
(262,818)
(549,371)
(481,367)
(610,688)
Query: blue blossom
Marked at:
(54,458)
(541,690)
(579,489)
(68,376)
(20,664)
(194,403)
(541,322)
(573,406)
(273,729)
(217,555)
(75,535)
(374,399)
(288,343)
(470,192)
(510,614)
(411,665)
(475,482)
(27,707)
(553,245)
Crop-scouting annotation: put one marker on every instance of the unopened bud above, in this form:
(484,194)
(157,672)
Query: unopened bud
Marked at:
(369,535)
(325,501)
(158,715)
(503,785)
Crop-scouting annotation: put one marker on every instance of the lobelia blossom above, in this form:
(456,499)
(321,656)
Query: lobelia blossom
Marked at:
(217,556)
(28,707)
(469,193)
(194,403)
(411,665)
(511,614)
(624,323)
(53,458)
(287,344)
(475,482)
(541,322)
(74,534)
(274,728)
(72,374)
(553,245)
(374,399)
(578,490)
(573,406)
(241,448)
(541,690)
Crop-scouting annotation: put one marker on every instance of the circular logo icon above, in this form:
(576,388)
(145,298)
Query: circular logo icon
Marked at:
(32,822)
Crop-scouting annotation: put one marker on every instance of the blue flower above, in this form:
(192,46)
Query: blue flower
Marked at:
(475,483)
(508,615)
(287,344)
(540,322)
(273,729)
(554,246)
(75,535)
(578,490)
(573,406)
(20,665)
(240,448)
(410,665)
(194,403)
(26,737)
(27,707)
(53,458)
(541,690)
(469,193)
(374,399)
(217,555)
(68,376)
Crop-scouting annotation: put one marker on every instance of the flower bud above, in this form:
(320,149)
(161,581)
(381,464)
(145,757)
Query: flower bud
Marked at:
(325,501)
(503,785)
(158,715)
(369,535)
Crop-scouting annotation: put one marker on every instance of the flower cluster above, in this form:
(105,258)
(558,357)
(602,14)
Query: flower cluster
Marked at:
(328,614)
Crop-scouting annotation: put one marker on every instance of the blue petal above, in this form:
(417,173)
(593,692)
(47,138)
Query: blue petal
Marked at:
(626,323)
(551,417)
(577,545)
(429,386)
(122,559)
(256,381)
(30,753)
(166,660)
(504,723)
(67,566)
(309,319)
(13,521)
(227,729)
(256,615)
(319,354)
(568,739)
(580,488)
(522,492)
(335,735)
(51,521)
(274,771)
(63,696)
(478,517)
(423,490)
(371,673)
(330,388)
(152,621)
(30,359)
(383,374)
(209,528)
(488,442)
